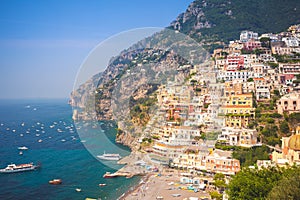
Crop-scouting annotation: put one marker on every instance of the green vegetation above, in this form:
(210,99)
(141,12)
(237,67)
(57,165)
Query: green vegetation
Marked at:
(287,58)
(211,135)
(270,134)
(219,182)
(293,119)
(265,42)
(228,19)
(249,156)
(288,187)
(215,195)
(273,65)
(141,103)
(246,156)
(266,183)
(140,110)
(250,80)
(147,140)
(284,128)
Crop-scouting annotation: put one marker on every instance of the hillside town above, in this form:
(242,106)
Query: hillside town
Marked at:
(249,99)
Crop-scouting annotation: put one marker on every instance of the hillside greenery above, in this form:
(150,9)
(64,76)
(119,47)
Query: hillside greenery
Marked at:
(229,18)
(265,183)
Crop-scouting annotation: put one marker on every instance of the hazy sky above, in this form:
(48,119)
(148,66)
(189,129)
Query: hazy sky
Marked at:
(43,43)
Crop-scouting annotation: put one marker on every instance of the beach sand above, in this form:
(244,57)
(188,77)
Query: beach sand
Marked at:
(166,185)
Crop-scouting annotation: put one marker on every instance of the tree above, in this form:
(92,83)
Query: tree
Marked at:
(265,42)
(249,156)
(266,183)
(215,195)
(276,93)
(250,80)
(220,181)
(284,128)
(253,183)
(294,119)
(288,187)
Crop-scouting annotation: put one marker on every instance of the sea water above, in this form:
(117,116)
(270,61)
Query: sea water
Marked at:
(46,128)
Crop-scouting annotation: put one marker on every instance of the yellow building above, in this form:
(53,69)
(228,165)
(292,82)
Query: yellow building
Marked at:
(239,110)
(233,87)
(216,161)
(290,150)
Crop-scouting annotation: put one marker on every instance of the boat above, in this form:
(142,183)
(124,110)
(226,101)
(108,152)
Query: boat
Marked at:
(102,184)
(12,168)
(78,189)
(109,156)
(23,148)
(55,182)
(109,175)
(21,153)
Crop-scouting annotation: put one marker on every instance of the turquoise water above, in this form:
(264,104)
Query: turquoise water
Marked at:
(61,151)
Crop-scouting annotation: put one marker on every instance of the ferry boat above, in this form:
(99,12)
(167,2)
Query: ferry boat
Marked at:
(109,156)
(12,168)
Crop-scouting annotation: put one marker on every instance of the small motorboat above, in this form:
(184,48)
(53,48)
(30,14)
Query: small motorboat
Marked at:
(102,184)
(55,182)
(78,189)
(23,148)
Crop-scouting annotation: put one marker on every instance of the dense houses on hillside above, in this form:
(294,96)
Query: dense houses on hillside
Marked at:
(219,105)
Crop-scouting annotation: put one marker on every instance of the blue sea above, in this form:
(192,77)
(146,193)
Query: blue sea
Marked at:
(65,150)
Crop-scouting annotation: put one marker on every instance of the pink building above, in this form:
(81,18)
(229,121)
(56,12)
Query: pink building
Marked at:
(234,62)
(289,103)
(252,44)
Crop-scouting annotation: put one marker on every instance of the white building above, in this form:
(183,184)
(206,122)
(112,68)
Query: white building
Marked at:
(238,137)
(232,75)
(262,92)
(291,41)
(247,35)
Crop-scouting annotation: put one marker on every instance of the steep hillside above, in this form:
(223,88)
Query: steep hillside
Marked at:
(212,21)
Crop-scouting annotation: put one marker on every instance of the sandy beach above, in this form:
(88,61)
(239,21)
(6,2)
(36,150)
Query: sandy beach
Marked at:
(164,185)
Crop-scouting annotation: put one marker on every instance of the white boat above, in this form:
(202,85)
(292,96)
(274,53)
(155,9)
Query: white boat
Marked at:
(23,148)
(12,168)
(109,156)
(78,189)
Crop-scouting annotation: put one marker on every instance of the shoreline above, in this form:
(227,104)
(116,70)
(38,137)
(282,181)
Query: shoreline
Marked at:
(163,185)
(144,179)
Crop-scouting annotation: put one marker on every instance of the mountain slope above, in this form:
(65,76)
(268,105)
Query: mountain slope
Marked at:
(212,21)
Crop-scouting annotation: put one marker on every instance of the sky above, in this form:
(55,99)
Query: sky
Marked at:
(44,43)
